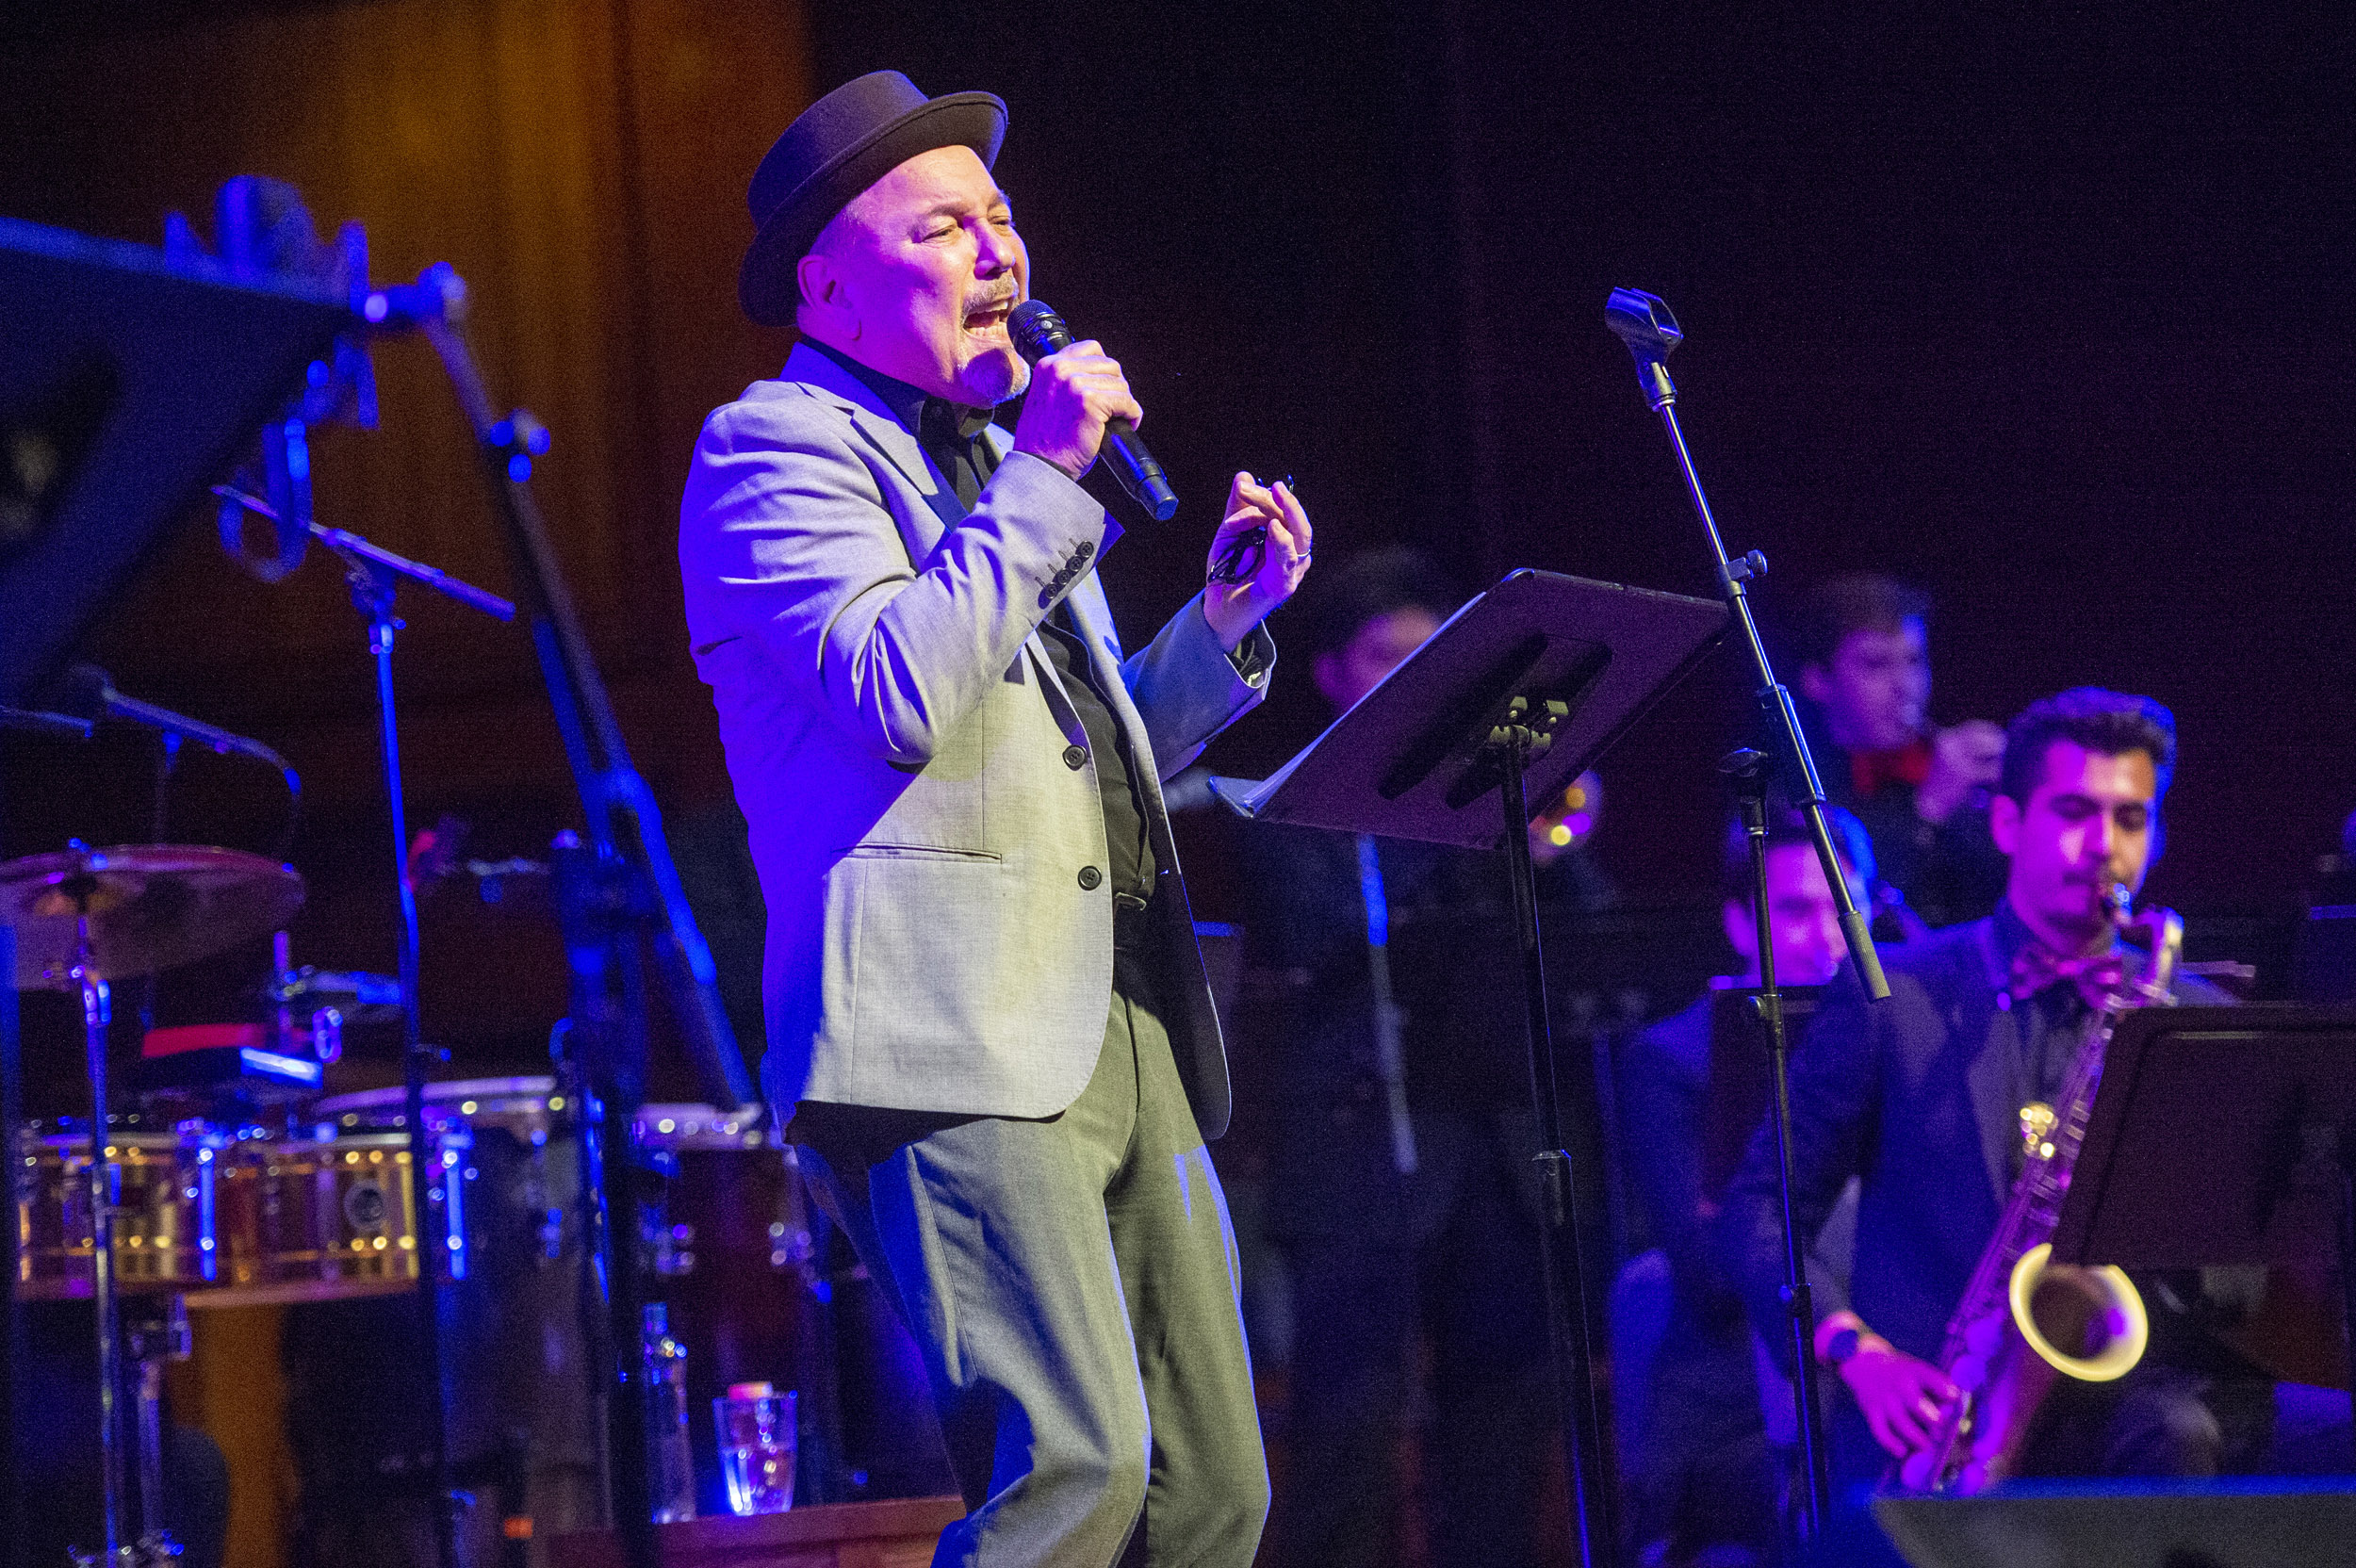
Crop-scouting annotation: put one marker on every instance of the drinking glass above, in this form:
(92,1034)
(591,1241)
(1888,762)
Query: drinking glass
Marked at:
(755,1424)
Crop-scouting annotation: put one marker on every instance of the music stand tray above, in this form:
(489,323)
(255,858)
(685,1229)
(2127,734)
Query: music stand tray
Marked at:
(2220,1135)
(126,385)
(1403,762)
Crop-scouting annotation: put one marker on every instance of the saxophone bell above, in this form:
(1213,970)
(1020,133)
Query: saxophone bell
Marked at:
(2085,1323)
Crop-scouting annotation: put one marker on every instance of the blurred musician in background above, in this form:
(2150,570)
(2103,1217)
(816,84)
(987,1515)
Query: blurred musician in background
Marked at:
(1860,643)
(1921,1098)
(1694,1421)
(1395,1192)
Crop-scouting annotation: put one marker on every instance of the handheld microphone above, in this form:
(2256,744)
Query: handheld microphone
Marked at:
(1643,322)
(1039,332)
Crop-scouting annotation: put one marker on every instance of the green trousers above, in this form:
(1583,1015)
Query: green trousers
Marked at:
(1073,1283)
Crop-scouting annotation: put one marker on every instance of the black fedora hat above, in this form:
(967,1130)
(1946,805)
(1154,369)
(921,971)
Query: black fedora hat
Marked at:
(835,149)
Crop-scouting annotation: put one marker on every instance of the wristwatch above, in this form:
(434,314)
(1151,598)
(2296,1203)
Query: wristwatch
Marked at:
(1839,1348)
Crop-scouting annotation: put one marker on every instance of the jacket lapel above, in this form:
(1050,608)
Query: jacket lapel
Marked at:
(1990,1074)
(920,527)
(1093,616)
(1090,613)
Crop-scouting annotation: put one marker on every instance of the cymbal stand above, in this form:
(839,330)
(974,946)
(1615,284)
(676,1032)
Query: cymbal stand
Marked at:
(160,1336)
(97,1012)
(375,575)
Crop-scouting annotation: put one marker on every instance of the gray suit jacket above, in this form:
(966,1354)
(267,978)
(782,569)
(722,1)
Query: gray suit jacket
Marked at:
(901,749)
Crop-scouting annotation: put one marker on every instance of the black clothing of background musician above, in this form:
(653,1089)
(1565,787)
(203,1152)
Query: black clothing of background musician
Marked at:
(1920,1097)
(56,1429)
(1379,1258)
(1698,1454)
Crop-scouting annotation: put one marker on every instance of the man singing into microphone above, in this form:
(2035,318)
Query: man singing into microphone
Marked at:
(987,1016)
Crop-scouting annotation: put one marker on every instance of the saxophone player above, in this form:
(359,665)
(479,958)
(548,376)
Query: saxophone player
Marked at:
(1921,1097)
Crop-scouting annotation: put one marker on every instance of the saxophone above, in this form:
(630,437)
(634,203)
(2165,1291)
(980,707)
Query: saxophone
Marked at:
(2024,1320)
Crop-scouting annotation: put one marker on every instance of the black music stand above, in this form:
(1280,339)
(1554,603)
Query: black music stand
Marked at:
(133,383)
(2222,1135)
(1521,691)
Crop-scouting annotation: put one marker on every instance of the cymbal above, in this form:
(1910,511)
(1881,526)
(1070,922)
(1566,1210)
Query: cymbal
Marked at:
(150,907)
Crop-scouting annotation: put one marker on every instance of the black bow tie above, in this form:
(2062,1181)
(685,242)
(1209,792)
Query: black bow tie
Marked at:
(2096,977)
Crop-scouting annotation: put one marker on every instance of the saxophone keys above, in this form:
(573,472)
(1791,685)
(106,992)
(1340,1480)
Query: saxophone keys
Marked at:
(2037,1122)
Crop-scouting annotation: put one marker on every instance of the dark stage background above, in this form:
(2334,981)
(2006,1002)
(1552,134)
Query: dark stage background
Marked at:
(2047,313)
(2047,310)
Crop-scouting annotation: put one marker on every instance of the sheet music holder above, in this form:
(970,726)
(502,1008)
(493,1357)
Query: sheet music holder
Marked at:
(134,381)
(1403,762)
(2220,1135)
(1514,696)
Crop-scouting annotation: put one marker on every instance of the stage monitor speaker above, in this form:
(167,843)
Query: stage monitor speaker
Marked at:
(2269,1522)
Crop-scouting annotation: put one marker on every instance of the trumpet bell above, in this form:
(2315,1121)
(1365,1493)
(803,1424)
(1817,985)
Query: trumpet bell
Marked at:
(2085,1323)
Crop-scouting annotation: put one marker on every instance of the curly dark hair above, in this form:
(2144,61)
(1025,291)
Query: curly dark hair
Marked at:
(2111,723)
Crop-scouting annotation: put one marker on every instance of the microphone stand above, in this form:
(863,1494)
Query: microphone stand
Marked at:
(375,575)
(1749,770)
(1642,321)
(617,884)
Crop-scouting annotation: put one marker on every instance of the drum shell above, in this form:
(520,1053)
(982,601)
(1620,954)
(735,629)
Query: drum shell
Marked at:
(517,1374)
(307,1220)
(728,1248)
(165,1220)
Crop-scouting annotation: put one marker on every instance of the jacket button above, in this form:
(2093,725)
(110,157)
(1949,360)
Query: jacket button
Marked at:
(1075,758)
(1090,878)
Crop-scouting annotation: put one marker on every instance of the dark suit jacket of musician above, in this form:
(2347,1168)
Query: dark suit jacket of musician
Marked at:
(1920,1097)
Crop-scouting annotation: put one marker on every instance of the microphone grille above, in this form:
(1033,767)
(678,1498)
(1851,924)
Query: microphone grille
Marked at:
(1036,330)
(82,693)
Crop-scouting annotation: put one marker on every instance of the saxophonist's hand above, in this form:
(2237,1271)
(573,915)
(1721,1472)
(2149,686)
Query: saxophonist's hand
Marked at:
(1901,1397)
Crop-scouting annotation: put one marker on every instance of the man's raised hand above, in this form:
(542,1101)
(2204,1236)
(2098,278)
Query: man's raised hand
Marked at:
(1269,571)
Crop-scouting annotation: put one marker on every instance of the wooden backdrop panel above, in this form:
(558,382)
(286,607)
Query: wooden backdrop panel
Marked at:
(583,168)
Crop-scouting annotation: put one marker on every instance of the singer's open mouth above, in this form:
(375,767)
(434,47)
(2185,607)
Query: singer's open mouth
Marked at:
(990,317)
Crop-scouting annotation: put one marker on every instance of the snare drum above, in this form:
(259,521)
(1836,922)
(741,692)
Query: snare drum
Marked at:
(318,1218)
(333,1215)
(164,1221)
